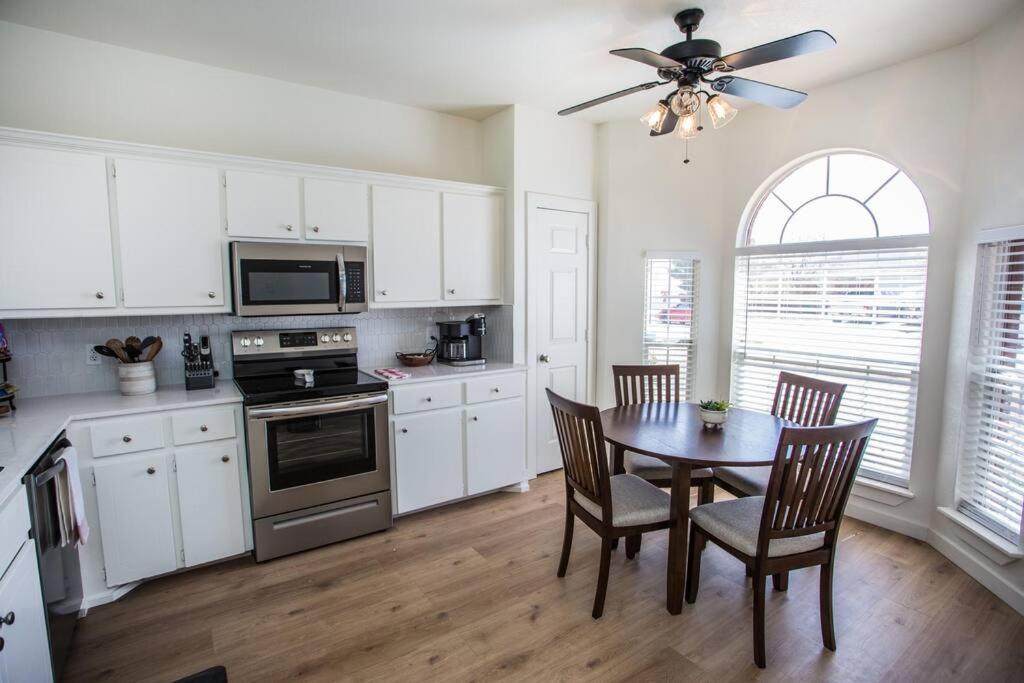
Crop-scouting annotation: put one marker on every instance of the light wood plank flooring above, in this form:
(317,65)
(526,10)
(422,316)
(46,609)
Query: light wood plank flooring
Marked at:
(469,593)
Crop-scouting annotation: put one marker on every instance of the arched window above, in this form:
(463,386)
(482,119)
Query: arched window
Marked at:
(830,282)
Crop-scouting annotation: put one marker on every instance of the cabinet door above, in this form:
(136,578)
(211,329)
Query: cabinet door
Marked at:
(495,445)
(210,501)
(472,247)
(428,459)
(337,210)
(168,219)
(54,230)
(135,517)
(406,245)
(262,205)
(25,655)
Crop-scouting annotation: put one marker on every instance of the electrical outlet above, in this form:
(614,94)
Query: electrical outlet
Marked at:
(91,357)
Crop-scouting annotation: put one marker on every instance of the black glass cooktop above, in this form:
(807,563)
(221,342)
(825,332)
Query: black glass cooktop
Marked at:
(263,389)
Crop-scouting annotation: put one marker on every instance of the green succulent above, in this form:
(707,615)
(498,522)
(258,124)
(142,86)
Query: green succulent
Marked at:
(717,406)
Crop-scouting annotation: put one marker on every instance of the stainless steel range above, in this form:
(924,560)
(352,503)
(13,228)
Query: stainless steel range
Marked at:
(316,430)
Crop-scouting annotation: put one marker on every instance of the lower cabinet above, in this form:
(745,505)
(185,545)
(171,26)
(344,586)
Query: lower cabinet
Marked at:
(209,498)
(495,445)
(24,646)
(428,459)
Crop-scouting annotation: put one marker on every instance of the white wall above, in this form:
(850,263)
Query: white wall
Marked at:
(57,83)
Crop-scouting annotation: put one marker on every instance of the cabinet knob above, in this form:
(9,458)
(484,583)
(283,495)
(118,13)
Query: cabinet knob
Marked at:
(150,470)
(405,430)
(451,291)
(126,438)
(316,228)
(383,292)
(8,618)
(288,228)
(496,390)
(474,418)
(212,295)
(225,458)
(428,399)
(99,295)
(204,428)
(544,358)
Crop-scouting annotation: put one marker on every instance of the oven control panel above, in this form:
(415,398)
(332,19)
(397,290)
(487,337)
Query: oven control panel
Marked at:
(260,342)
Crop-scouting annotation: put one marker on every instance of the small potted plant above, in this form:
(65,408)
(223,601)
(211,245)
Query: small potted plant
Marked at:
(713,413)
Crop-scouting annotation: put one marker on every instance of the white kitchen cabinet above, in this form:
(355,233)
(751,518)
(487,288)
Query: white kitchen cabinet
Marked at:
(54,230)
(406,245)
(495,445)
(473,235)
(168,217)
(262,205)
(25,654)
(428,459)
(336,210)
(136,520)
(210,501)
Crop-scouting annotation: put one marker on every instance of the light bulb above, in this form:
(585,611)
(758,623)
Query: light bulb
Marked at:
(655,117)
(721,111)
(688,126)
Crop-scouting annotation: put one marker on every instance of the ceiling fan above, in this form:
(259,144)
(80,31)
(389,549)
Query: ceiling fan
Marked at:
(689,64)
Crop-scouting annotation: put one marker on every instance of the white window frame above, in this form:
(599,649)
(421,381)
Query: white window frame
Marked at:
(688,370)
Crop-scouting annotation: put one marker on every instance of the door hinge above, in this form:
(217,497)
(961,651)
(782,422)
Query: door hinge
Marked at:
(93,477)
(224,181)
(113,169)
(174,464)
(183,556)
(104,575)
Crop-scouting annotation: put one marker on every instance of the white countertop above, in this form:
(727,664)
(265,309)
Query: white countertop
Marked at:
(25,433)
(439,371)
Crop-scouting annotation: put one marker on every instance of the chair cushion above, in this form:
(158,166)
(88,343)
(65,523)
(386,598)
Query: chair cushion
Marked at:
(634,502)
(737,523)
(646,467)
(753,481)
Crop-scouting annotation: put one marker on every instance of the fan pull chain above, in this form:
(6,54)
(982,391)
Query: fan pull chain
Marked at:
(686,151)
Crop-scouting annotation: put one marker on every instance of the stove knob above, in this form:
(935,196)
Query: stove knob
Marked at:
(245,342)
(258,341)
(325,338)
(347,337)
(335,337)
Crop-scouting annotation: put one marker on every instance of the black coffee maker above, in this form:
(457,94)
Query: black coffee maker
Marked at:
(461,342)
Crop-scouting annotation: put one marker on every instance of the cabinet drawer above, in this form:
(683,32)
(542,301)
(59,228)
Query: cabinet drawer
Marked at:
(203,425)
(495,388)
(127,436)
(427,396)
(14,526)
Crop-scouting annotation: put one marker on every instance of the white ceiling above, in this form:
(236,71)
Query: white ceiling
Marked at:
(471,57)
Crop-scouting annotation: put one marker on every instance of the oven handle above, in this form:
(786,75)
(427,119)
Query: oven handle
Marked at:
(317,408)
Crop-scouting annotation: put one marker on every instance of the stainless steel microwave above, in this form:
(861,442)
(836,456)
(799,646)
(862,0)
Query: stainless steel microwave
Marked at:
(297,279)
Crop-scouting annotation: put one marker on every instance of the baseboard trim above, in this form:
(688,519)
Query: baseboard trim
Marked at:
(965,557)
(886,520)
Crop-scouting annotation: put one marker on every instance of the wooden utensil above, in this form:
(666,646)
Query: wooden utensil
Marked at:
(133,347)
(154,349)
(104,351)
(117,347)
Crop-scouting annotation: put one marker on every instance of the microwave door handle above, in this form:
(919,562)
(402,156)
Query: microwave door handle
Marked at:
(342,283)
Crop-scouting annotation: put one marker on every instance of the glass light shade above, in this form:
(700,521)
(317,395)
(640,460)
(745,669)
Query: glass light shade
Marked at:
(684,102)
(688,126)
(721,111)
(655,118)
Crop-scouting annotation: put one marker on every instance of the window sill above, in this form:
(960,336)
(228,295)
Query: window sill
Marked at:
(887,494)
(989,544)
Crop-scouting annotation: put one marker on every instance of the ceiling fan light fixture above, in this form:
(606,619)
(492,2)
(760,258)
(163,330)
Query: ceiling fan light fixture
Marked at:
(688,127)
(684,101)
(655,118)
(721,111)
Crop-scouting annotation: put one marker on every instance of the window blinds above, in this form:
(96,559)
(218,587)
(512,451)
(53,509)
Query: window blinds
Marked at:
(850,316)
(670,314)
(990,484)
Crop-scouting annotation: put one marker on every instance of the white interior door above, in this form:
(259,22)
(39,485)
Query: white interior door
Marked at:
(560,277)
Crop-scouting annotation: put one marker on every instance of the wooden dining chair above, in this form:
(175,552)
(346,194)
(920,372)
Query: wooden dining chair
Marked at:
(794,525)
(613,506)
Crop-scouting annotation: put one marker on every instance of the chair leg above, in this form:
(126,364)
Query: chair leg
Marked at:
(750,570)
(697,543)
(828,629)
(602,577)
(633,546)
(563,563)
(759,590)
(780,581)
(707,492)
(615,544)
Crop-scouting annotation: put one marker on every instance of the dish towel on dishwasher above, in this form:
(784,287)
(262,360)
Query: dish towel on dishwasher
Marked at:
(74,528)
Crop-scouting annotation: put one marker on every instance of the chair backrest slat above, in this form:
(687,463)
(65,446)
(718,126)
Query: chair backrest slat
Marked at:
(635,384)
(807,401)
(581,442)
(811,479)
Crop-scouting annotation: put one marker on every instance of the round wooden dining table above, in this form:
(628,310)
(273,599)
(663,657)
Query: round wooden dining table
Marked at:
(675,434)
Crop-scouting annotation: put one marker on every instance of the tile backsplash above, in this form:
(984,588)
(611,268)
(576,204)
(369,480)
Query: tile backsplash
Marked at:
(49,354)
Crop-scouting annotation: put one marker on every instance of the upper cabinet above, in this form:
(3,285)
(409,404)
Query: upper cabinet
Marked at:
(336,210)
(262,205)
(406,245)
(54,230)
(168,218)
(473,236)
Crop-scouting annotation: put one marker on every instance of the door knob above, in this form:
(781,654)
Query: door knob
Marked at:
(544,358)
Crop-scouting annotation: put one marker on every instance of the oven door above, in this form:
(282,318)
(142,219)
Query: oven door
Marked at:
(315,452)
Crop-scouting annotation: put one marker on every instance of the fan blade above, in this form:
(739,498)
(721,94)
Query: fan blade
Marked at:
(639,54)
(800,44)
(608,98)
(668,125)
(762,93)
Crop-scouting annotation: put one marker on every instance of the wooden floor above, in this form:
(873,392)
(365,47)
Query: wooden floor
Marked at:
(469,592)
